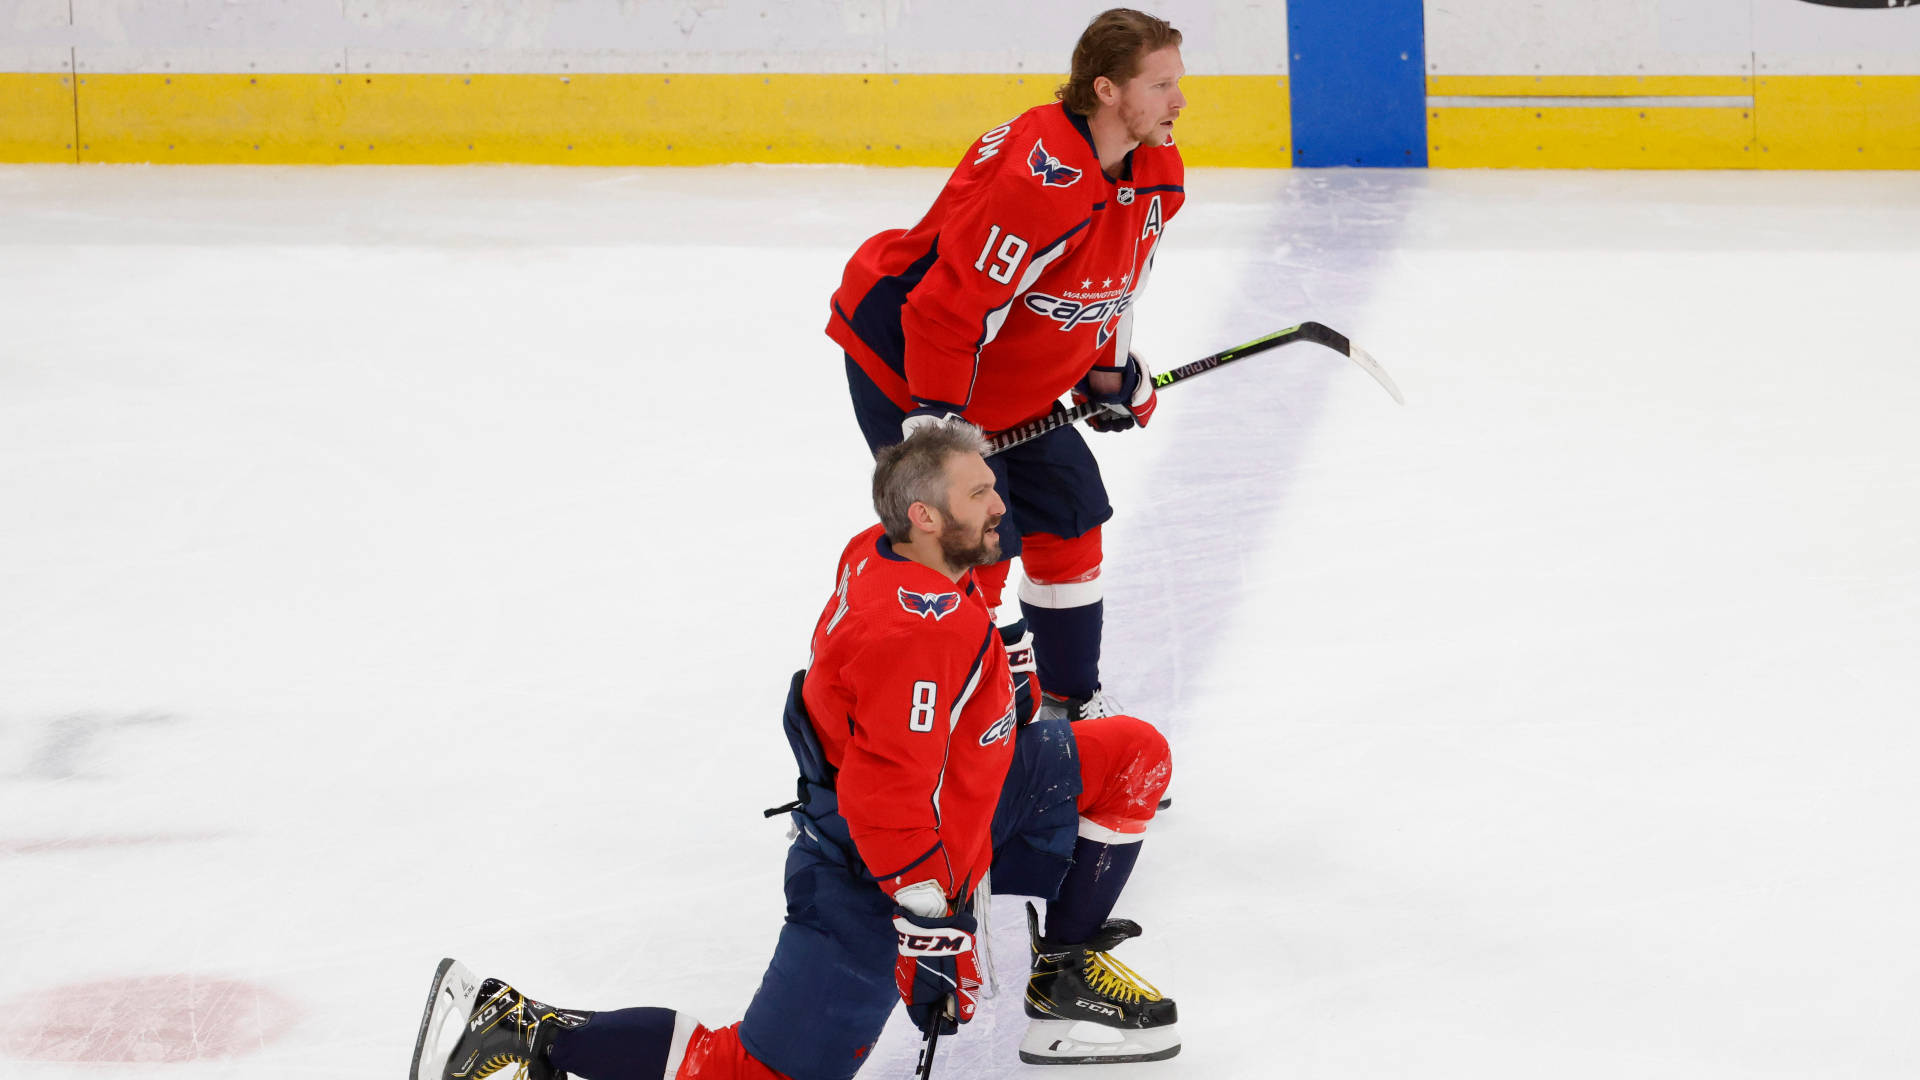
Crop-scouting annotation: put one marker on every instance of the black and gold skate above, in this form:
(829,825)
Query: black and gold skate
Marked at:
(1087,1008)
(477,1030)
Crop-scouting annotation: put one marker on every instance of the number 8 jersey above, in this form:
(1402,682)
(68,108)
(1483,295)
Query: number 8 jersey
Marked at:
(1021,277)
(910,695)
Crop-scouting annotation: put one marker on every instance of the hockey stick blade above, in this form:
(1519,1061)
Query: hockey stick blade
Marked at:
(1322,334)
(1318,333)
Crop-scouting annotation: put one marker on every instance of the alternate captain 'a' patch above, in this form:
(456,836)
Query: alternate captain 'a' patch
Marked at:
(1048,168)
(937,604)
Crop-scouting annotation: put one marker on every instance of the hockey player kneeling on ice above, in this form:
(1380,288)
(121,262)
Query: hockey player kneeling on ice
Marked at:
(921,767)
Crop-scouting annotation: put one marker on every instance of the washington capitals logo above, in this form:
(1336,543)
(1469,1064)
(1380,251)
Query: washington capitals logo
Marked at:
(937,604)
(1001,728)
(1048,168)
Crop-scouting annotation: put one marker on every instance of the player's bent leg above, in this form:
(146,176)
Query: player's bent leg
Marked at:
(1063,601)
(1125,765)
(1055,494)
(1085,1005)
(634,1044)
(719,1055)
(830,987)
(1035,822)
(476,1029)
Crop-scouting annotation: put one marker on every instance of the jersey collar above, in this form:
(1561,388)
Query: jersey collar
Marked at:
(883,547)
(1080,125)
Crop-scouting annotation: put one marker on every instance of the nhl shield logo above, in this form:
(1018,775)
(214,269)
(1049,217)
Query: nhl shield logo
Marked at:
(1125,196)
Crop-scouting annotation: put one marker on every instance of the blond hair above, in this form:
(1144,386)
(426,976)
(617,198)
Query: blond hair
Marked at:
(1113,45)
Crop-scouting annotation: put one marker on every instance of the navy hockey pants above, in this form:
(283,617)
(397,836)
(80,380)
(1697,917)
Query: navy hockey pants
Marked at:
(829,989)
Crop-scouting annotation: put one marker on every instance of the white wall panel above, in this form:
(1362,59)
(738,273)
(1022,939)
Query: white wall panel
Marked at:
(36,59)
(237,60)
(1617,37)
(1793,37)
(35,36)
(291,25)
(896,36)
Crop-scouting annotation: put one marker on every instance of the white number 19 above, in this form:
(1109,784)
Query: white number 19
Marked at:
(1012,250)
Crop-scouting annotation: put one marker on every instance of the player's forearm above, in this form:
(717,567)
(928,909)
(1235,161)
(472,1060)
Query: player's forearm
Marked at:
(898,857)
(886,795)
(938,373)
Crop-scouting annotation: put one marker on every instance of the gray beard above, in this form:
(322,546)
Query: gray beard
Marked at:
(963,552)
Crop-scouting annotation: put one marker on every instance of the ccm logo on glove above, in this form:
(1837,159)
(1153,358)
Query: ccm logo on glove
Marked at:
(933,944)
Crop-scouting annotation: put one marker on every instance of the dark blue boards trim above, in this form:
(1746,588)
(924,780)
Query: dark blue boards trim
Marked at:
(1358,82)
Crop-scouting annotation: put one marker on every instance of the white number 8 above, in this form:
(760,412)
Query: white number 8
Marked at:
(921,718)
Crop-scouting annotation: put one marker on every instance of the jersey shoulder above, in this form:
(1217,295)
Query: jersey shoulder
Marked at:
(1037,163)
(900,598)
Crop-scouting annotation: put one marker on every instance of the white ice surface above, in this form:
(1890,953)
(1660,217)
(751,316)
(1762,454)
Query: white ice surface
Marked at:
(403,563)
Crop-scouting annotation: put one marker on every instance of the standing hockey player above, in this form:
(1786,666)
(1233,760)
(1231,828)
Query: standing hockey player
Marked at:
(919,770)
(1018,287)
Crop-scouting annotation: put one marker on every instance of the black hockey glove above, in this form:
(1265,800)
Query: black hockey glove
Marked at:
(1134,404)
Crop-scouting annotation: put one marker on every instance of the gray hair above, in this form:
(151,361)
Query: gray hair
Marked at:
(914,470)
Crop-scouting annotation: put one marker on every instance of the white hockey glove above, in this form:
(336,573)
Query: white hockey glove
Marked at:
(929,414)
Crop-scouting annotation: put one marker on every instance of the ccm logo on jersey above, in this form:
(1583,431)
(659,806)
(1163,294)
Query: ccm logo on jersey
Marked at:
(1001,728)
(937,604)
(1048,168)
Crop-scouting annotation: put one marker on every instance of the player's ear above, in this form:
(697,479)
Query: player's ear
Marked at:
(1106,90)
(923,517)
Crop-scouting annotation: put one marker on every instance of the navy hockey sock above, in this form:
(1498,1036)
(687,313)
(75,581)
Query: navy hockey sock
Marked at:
(1066,646)
(1091,889)
(624,1044)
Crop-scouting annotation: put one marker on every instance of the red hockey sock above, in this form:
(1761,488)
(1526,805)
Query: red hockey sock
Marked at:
(716,1054)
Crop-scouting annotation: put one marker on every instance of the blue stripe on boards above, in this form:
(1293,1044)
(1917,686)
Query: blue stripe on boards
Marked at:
(1358,83)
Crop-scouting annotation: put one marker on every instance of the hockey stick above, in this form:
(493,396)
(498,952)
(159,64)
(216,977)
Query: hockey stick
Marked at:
(1306,331)
(924,1070)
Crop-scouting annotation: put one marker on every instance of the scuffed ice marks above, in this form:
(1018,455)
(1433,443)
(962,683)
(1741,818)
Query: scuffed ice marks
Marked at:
(73,746)
(157,1019)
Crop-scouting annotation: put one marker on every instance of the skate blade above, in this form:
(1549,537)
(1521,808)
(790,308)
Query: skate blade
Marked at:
(1078,1042)
(449,1004)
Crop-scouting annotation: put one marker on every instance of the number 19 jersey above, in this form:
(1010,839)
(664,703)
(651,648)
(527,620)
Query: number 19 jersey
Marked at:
(1019,279)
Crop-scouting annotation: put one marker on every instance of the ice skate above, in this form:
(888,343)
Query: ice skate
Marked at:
(1086,1008)
(474,1029)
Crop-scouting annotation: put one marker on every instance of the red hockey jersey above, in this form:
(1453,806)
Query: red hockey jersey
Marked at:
(1020,278)
(909,692)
